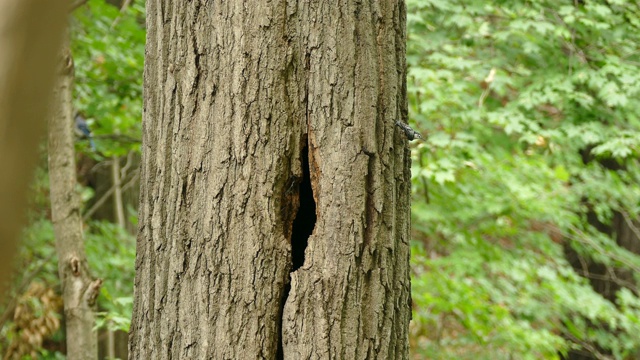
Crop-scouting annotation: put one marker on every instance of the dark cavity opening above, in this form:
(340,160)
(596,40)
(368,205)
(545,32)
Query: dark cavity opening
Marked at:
(302,228)
(305,220)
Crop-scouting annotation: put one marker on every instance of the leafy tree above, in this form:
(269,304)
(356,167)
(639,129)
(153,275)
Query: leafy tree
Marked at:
(525,104)
(108,49)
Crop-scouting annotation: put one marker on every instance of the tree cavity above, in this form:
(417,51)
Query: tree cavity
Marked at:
(302,227)
(305,220)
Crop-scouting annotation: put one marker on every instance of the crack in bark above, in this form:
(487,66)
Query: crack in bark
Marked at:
(302,228)
(305,220)
(283,301)
(369,203)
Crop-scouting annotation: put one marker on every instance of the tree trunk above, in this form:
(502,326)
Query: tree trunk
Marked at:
(30,34)
(274,211)
(79,290)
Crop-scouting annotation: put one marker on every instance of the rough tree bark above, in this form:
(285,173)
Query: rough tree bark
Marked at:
(274,211)
(30,35)
(79,289)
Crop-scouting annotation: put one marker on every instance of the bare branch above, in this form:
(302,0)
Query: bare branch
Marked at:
(77,4)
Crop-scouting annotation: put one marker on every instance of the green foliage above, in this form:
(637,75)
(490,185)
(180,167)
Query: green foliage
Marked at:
(117,268)
(532,123)
(111,256)
(108,49)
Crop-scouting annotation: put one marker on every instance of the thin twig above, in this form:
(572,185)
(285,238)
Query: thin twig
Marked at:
(131,182)
(124,7)
(592,350)
(77,4)
(615,279)
(127,165)
(118,138)
(631,225)
(105,196)
(585,267)
(585,240)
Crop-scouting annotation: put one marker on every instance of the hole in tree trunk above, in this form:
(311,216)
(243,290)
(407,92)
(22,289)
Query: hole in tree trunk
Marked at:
(305,219)
(302,228)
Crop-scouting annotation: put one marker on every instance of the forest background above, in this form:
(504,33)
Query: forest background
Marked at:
(525,215)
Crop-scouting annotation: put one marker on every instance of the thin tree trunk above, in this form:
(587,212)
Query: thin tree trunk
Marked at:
(274,211)
(30,35)
(79,290)
(118,205)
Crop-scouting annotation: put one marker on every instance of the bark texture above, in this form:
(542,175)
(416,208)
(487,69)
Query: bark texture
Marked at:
(79,289)
(30,34)
(274,211)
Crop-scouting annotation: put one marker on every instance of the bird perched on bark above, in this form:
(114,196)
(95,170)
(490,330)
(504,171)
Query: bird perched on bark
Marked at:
(408,131)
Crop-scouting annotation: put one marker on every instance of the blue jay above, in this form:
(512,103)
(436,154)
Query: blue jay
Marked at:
(82,129)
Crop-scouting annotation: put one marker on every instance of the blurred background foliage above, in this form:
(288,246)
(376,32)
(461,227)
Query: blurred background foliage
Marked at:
(525,210)
(107,43)
(525,192)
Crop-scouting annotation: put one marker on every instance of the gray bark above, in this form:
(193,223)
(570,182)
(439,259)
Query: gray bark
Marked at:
(264,123)
(79,289)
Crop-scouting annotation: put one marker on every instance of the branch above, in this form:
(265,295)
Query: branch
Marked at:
(631,225)
(76,5)
(122,10)
(118,137)
(106,195)
(127,165)
(585,240)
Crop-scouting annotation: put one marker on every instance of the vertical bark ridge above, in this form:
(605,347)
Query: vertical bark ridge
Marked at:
(212,256)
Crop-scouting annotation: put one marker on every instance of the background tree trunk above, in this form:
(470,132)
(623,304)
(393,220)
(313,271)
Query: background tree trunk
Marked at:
(274,213)
(79,290)
(30,35)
